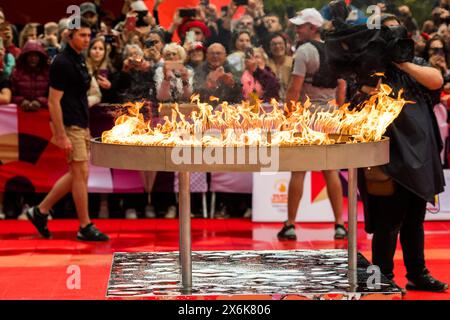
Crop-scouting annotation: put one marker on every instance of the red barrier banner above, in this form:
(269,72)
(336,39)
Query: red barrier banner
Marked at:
(30,162)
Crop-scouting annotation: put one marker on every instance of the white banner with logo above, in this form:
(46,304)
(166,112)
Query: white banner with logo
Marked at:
(270,199)
(443,206)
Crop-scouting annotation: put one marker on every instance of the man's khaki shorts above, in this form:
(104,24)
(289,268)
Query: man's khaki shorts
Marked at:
(80,143)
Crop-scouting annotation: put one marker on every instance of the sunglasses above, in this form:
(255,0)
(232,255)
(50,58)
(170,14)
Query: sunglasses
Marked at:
(437,51)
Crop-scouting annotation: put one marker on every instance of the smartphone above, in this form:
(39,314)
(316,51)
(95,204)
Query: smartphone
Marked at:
(240,2)
(249,53)
(190,36)
(188,12)
(103,73)
(224,10)
(290,10)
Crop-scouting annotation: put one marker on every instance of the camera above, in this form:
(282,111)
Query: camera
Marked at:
(188,13)
(150,43)
(52,51)
(290,11)
(240,2)
(109,38)
(140,19)
(136,60)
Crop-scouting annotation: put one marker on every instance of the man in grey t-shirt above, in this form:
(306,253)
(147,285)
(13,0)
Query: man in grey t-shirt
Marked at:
(303,83)
(306,64)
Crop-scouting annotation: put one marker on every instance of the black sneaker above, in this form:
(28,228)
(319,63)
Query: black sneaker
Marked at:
(287,232)
(426,282)
(39,220)
(402,290)
(340,232)
(91,233)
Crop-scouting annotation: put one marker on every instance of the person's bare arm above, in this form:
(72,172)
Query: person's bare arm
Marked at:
(294,89)
(54,107)
(341,92)
(5,96)
(429,77)
(232,8)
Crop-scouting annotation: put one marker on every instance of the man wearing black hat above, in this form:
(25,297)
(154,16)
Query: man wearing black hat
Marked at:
(88,10)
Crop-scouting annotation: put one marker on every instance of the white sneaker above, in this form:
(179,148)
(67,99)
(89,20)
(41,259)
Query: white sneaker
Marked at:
(171,213)
(131,214)
(2,216)
(150,212)
(248,214)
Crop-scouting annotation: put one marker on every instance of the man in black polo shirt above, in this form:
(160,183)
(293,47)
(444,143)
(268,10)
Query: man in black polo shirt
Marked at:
(69,112)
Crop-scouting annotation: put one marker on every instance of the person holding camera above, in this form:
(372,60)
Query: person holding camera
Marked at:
(50,39)
(240,40)
(215,77)
(258,81)
(196,54)
(173,80)
(153,46)
(436,53)
(395,195)
(135,81)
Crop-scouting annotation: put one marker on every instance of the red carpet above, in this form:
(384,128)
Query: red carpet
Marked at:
(33,268)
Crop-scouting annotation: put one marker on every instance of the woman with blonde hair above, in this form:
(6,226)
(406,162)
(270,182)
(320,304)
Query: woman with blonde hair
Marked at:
(173,80)
(29,32)
(98,65)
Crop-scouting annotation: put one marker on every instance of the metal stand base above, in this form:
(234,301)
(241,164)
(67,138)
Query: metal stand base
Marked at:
(294,274)
(185,230)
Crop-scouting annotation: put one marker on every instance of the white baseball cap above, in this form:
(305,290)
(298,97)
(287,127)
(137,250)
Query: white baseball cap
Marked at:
(309,15)
(139,6)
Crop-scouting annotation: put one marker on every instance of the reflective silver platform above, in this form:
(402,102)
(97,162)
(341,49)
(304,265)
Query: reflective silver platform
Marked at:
(293,274)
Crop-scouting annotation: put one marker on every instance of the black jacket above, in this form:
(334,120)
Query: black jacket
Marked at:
(415,143)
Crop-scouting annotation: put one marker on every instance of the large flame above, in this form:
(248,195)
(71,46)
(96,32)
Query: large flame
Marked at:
(248,124)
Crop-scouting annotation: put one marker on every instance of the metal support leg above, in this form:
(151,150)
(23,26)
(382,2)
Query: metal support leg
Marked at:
(213,206)
(352,227)
(185,231)
(204,205)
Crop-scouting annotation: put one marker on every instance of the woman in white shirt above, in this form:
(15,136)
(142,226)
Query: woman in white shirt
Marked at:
(173,80)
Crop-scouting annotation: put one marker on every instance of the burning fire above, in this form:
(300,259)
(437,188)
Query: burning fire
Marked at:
(245,124)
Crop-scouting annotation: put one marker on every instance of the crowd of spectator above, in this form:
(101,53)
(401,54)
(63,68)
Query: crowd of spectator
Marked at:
(206,50)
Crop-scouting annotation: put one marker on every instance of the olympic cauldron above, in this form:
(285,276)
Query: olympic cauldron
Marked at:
(348,147)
